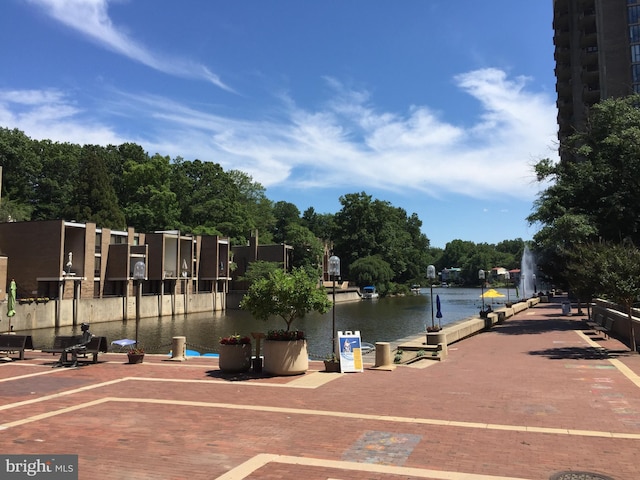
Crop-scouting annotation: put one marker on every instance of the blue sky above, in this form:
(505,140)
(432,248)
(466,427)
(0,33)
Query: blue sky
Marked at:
(440,107)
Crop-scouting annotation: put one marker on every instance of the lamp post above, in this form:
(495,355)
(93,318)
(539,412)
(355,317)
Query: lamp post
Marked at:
(507,277)
(481,277)
(431,275)
(334,271)
(139,273)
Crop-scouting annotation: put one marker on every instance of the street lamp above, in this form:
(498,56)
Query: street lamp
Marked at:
(481,277)
(507,277)
(334,271)
(431,275)
(139,273)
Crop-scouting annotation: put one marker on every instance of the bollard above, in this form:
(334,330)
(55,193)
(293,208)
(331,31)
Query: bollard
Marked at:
(178,349)
(383,356)
(257,360)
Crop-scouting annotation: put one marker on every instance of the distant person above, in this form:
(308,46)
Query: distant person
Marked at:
(73,350)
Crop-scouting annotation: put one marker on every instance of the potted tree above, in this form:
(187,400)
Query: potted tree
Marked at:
(235,354)
(289,296)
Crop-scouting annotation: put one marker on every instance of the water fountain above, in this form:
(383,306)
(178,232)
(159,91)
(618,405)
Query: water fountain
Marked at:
(527,286)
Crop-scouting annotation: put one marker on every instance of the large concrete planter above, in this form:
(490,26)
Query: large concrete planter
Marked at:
(234,358)
(435,338)
(285,357)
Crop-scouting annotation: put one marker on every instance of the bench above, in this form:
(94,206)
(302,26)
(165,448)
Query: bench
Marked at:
(606,328)
(597,322)
(15,343)
(61,343)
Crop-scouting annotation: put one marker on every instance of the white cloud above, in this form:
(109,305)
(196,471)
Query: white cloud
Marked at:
(347,143)
(49,114)
(91,19)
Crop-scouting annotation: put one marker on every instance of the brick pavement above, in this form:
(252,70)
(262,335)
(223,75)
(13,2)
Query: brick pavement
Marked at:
(531,398)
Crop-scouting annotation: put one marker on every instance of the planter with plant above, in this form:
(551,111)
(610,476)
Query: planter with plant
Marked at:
(235,354)
(332,363)
(136,353)
(289,296)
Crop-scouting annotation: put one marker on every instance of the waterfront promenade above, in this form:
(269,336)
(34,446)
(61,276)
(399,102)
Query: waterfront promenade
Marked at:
(533,398)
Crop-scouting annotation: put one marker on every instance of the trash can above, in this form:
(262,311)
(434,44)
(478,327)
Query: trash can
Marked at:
(566,308)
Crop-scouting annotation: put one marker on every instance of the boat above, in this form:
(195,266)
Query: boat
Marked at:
(444,285)
(415,288)
(369,292)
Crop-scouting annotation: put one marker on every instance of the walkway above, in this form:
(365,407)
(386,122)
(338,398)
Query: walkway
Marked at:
(531,399)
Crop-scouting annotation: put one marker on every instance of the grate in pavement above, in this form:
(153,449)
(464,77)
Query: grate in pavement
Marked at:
(579,476)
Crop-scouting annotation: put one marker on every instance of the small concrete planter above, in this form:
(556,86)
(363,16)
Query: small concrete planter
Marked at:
(235,358)
(285,357)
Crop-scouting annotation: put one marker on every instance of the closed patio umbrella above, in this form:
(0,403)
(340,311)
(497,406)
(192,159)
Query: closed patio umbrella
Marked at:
(11,302)
(439,311)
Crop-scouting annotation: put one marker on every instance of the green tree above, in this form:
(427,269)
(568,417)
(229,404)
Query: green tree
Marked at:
(307,248)
(252,195)
(209,199)
(94,198)
(366,227)
(595,195)
(619,272)
(285,214)
(55,179)
(149,203)
(20,168)
(372,270)
(321,224)
(289,296)
(259,269)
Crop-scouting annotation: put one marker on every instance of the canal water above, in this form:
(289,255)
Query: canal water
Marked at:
(379,320)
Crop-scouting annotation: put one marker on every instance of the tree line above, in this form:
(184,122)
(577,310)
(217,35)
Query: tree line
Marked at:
(120,186)
(590,212)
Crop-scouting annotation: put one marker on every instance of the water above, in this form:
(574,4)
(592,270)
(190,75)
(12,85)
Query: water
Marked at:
(381,320)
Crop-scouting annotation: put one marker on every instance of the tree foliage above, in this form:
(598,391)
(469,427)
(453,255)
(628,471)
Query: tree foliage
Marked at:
(594,196)
(123,186)
(289,296)
(372,270)
(365,228)
(611,270)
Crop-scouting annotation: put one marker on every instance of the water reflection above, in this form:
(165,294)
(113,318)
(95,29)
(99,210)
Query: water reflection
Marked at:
(384,319)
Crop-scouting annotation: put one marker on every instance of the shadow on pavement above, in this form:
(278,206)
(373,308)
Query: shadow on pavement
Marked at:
(533,327)
(237,377)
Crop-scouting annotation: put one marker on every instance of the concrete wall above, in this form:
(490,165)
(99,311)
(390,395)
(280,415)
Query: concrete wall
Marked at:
(462,329)
(621,328)
(31,316)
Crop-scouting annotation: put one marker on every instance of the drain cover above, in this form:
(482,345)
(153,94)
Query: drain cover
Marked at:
(578,476)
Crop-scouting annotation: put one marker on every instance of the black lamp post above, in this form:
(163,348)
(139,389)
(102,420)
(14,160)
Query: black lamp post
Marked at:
(507,277)
(431,275)
(334,271)
(481,277)
(139,274)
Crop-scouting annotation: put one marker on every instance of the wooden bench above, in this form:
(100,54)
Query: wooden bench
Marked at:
(15,343)
(61,343)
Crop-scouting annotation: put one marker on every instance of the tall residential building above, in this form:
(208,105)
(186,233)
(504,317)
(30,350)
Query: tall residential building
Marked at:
(597,53)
